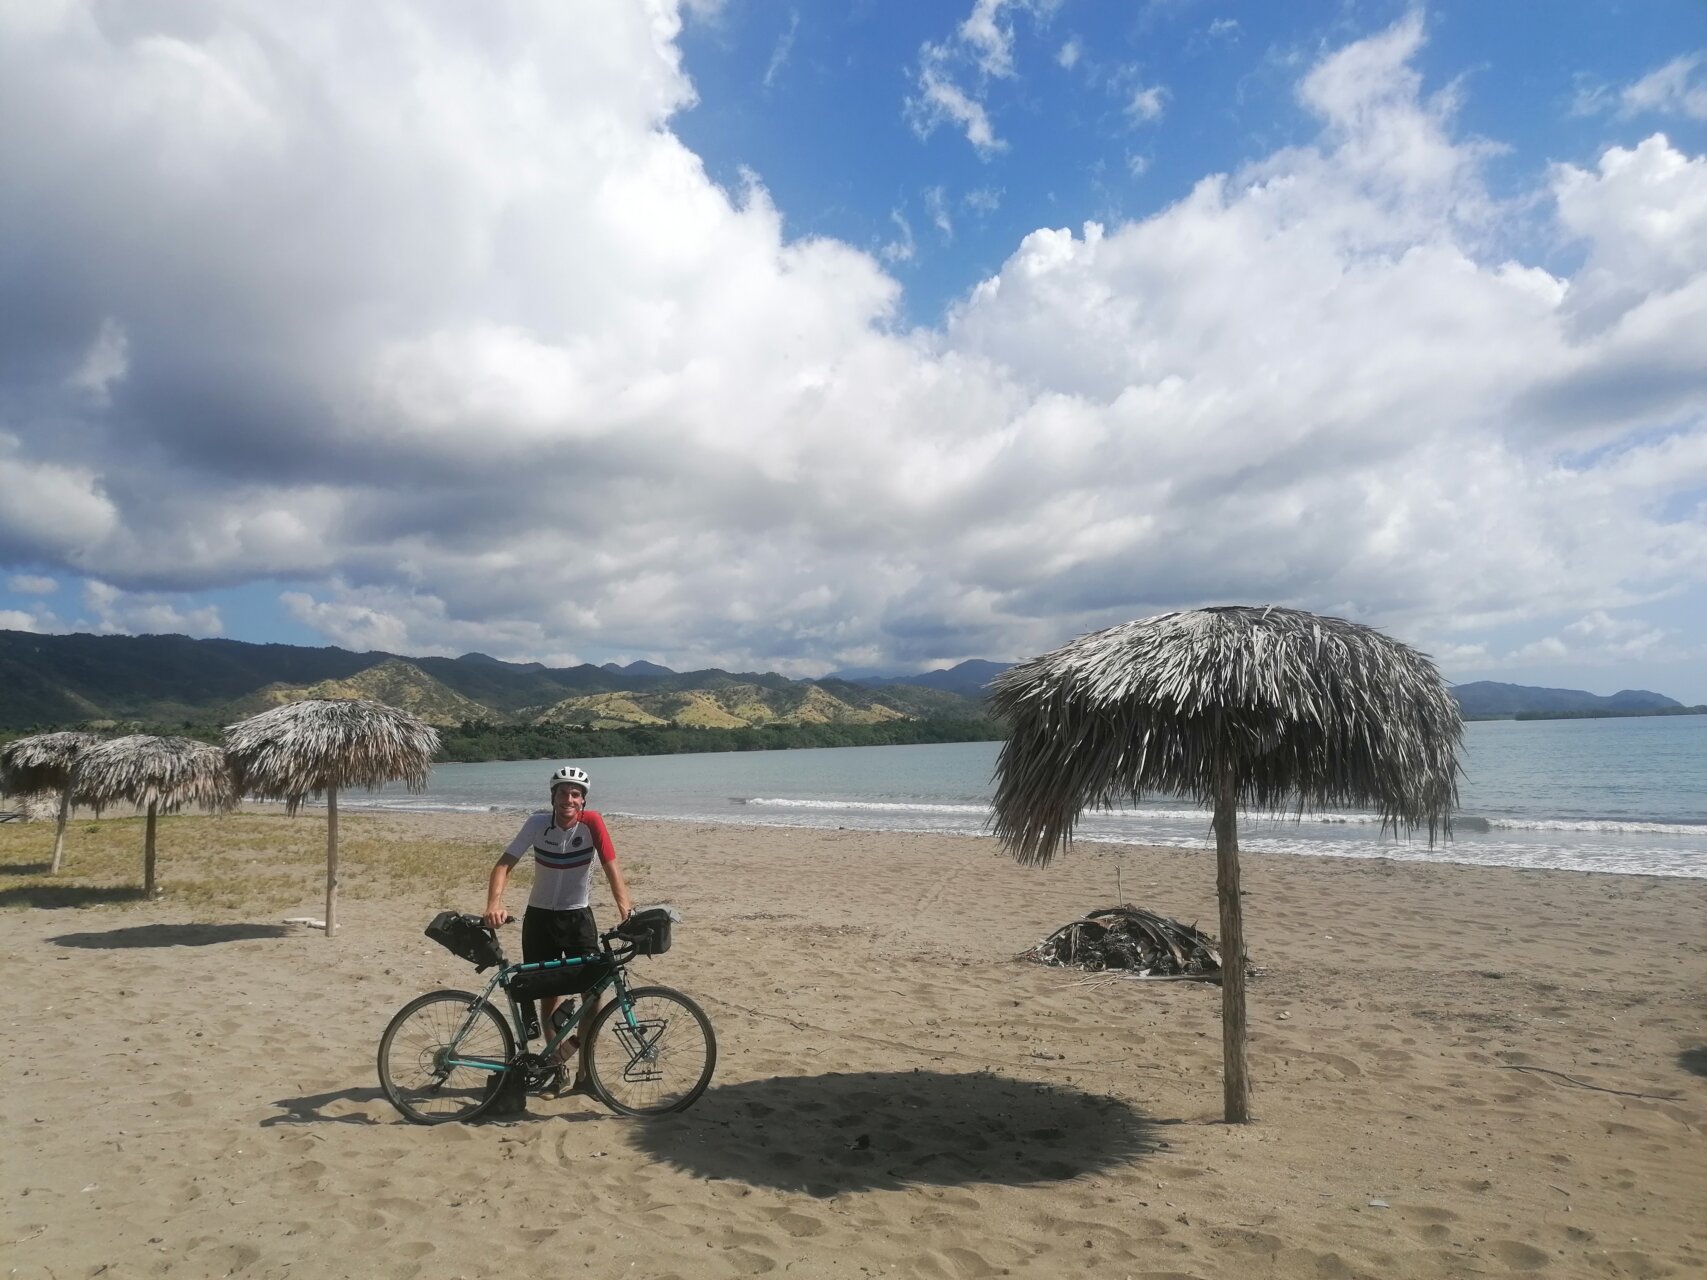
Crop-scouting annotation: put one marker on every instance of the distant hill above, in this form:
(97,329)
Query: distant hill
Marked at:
(394,682)
(967,679)
(1491,698)
(63,680)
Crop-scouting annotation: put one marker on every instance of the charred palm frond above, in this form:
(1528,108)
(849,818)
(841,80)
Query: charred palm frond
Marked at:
(1132,939)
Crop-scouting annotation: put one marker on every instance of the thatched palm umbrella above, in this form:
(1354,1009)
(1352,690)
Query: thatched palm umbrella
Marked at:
(159,774)
(1266,708)
(44,763)
(326,744)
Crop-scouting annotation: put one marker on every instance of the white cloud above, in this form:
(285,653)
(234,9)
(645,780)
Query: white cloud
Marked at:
(119,612)
(1147,104)
(18,620)
(953,75)
(1137,165)
(983,200)
(936,204)
(583,401)
(1224,28)
(1678,88)
(902,248)
(991,42)
(1069,54)
(784,48)
(31,584)
(940,100)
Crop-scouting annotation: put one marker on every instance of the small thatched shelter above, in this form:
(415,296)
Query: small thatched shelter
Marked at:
(1235,708)
(327,745)
(161,775)
(44,763)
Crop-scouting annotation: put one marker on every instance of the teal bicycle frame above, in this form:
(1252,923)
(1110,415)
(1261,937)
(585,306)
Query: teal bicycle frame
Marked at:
(589,999)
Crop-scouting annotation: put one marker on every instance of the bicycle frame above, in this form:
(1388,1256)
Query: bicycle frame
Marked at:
(590,999)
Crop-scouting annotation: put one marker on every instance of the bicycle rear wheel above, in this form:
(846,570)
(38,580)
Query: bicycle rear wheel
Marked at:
(425,1052)
(653,1055)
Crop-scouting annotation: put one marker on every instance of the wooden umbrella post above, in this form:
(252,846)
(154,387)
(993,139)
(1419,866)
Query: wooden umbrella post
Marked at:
(148,854)
(331,858)
(59,831)
(1234,1064)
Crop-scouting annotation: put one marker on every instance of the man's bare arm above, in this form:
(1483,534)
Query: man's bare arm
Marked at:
(495,913)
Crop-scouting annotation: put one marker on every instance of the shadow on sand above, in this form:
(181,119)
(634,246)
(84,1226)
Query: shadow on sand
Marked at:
(70,895)
(171,935)
(1694,1060)
(25,868)
(310,1109)
(879,1130)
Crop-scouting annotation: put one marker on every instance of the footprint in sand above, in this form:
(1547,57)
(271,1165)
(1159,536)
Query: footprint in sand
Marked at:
(1519,1256)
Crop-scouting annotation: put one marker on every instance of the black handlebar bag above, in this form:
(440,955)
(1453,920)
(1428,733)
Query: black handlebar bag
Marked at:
(466,936)
(648,931)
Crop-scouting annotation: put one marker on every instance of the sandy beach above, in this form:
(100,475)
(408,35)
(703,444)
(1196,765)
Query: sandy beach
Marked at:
(1458,1071)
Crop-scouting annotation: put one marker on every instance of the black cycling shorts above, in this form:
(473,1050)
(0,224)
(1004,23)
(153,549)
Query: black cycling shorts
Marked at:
(550,935)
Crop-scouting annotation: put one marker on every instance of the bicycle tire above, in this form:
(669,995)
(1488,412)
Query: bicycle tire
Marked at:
(669,1063)
(410,1061)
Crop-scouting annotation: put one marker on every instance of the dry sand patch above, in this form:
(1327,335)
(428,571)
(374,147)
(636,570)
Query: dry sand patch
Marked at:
(193,1089)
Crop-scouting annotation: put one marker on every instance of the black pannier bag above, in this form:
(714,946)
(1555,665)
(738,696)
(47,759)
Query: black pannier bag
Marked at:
(647,931)
(567,977)
(466,936)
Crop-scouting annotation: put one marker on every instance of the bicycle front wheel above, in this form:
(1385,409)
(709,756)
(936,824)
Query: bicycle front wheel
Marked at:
(442,1055)
(653,1054)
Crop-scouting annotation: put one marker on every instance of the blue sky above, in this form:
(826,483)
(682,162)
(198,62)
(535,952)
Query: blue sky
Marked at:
(808,337)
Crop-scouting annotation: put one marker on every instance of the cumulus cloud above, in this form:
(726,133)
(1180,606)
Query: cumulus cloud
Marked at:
(118,612)
(458,334)
(20,620)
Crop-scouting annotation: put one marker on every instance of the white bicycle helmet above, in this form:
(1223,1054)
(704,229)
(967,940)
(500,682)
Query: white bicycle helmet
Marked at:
(571,775)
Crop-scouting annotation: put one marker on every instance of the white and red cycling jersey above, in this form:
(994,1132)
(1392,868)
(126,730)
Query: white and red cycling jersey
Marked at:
(562,857)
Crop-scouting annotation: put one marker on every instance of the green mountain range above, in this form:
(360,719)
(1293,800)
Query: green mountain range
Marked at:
(52,680)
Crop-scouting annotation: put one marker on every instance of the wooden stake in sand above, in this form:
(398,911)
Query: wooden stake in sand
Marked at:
(323,745)
(1234,707)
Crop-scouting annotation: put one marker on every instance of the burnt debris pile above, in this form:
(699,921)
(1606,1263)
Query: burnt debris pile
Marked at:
(1139,943)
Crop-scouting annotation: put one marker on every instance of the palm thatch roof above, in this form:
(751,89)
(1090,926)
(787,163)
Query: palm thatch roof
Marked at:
(164,774)
(1295,710)
(42,762)
(320,744)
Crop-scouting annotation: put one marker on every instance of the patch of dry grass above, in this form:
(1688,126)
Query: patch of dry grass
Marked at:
(242,861)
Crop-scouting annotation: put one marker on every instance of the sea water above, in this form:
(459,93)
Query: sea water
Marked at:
(1624,795)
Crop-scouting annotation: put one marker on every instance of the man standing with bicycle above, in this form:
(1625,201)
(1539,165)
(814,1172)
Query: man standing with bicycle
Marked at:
(563,841)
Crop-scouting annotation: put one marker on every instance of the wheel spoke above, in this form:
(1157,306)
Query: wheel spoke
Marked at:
(655,1056)
(436,1062)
